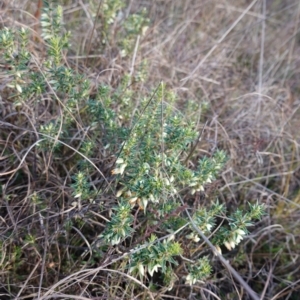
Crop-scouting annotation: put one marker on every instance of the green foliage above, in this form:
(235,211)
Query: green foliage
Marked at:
(13,46)
(150,149)
(109,10)
(154,257)
(134,25)
(205,218)
(51,22)
(112,12)
(80,186)
(238,223)
(119,227)
(200,270)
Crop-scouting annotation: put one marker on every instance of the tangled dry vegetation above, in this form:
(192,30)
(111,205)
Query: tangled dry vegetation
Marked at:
(235,68)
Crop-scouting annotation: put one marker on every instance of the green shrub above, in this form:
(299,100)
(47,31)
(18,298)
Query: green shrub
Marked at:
(142,190)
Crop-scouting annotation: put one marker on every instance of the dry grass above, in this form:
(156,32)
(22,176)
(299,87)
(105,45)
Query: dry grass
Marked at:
(242,58)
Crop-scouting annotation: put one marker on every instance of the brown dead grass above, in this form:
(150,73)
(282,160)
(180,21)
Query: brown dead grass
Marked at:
(254,103)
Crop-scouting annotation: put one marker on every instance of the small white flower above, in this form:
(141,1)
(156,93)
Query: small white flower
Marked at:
(190,236)
(240,235)
(232,244)
(119,170)
(240,232)
(116,241)
(123,53)
(143,202)
(119,193)
(128,194)
(133,200)
(119,160)
(141,269)
(201,188)
(208,180)
(238,239)
(167,182)
(218,250)
(19,88)
(154,269)
(171,237)
(74,204)
(144,29)
(153,199)
(229,245)
(208,227)
(190,280)
(194,237)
